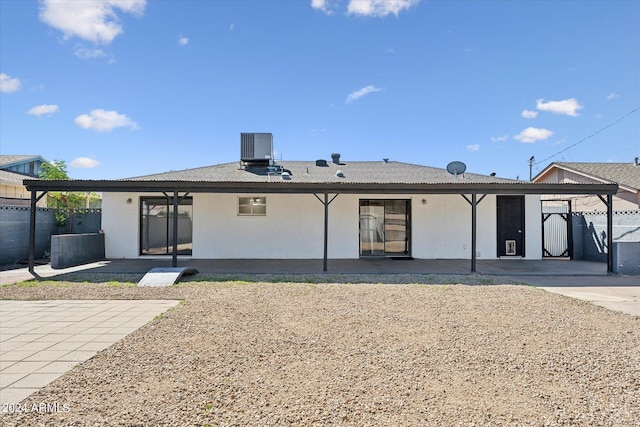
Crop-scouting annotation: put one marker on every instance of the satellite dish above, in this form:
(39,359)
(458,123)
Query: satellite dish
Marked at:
(456,168)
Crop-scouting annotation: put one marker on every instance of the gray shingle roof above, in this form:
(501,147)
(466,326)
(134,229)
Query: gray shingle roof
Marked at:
(12,177)
(14,158)
(307,172)
(626,174)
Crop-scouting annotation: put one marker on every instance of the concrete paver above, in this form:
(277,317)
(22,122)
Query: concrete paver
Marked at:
(30,359)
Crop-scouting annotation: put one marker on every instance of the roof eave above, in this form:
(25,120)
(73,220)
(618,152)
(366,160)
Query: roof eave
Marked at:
(299,187)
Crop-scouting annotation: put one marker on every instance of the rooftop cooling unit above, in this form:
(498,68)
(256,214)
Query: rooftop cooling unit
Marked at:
(256,147)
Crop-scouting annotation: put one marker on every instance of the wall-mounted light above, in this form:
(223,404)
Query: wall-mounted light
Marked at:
(424,201)
(129,201)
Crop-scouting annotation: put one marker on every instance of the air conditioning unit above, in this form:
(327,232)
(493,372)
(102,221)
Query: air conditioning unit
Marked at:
(256,147)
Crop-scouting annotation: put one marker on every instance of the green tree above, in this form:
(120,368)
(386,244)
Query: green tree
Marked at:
(66,203)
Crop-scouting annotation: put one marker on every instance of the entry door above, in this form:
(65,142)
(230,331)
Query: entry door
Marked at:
(510,226)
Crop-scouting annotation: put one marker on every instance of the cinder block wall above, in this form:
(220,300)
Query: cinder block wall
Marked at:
(590,232)
(68,250)
(14,231)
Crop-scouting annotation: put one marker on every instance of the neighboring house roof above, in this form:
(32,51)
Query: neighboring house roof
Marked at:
(11,177)
(307,172)
(11,160)
(626,175)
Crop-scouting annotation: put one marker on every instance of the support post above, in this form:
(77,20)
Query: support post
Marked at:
(32,233)
(474,203)
(326,202)
(473,232)
(174,262)
(609,233)
(326,231)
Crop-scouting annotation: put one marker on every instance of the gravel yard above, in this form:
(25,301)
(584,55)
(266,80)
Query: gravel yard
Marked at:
(351,354)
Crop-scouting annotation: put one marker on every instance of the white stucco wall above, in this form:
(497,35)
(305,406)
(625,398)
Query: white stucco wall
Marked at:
(294,226)
(533,227)
(120,222)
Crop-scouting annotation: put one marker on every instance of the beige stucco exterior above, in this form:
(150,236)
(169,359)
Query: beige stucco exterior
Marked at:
(623,200)
(13,193)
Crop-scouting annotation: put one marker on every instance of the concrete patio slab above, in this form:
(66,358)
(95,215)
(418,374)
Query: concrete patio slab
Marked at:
(374,266)
(29,359)
(626,299)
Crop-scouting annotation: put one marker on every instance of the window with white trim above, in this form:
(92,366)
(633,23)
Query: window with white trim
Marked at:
(252,206)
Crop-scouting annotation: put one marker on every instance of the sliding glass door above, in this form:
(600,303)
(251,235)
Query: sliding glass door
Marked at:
(384,227)
(156,226)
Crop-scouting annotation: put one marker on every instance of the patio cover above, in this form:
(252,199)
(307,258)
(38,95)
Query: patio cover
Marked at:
(173,188)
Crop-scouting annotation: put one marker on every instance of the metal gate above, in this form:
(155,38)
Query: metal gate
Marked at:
(556,230)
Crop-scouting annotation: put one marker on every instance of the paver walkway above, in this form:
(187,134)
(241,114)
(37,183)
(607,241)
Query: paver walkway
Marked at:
(41,340)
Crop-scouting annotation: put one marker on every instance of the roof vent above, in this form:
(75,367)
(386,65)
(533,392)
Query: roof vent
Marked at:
(335,157)
(339,174)
(385,160)
(321,162)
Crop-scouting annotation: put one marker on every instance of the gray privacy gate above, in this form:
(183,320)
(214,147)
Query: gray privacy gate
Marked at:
(556,231)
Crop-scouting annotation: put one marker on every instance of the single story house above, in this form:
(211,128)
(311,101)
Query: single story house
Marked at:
(626,175)
(260,208)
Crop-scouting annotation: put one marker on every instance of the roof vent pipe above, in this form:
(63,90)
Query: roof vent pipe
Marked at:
(637,161)
(336,158)
(385,160)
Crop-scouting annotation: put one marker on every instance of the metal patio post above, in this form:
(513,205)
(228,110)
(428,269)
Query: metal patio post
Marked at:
(32,233)
(609,233)
(473,232)
(174,262)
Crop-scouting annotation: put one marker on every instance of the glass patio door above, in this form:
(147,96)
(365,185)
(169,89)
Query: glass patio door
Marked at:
(384,227)
(372,229)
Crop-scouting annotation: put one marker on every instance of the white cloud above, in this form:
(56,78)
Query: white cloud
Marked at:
(379,7)
(528,114)
(84,53)
(84,163)
(183,41)
(612,96)
(499,138)
(531,135)
(104,121)
(9,84)
(44,109)
(322,5)
(567,107)
(92,20)
(353,96)
(473,147)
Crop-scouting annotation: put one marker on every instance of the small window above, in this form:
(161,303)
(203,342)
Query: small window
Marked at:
(252,205)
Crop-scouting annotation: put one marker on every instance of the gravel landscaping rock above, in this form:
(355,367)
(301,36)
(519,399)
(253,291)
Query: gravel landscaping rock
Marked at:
(244,354)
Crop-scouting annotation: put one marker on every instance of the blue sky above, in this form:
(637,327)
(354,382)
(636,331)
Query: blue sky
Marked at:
(123,88)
